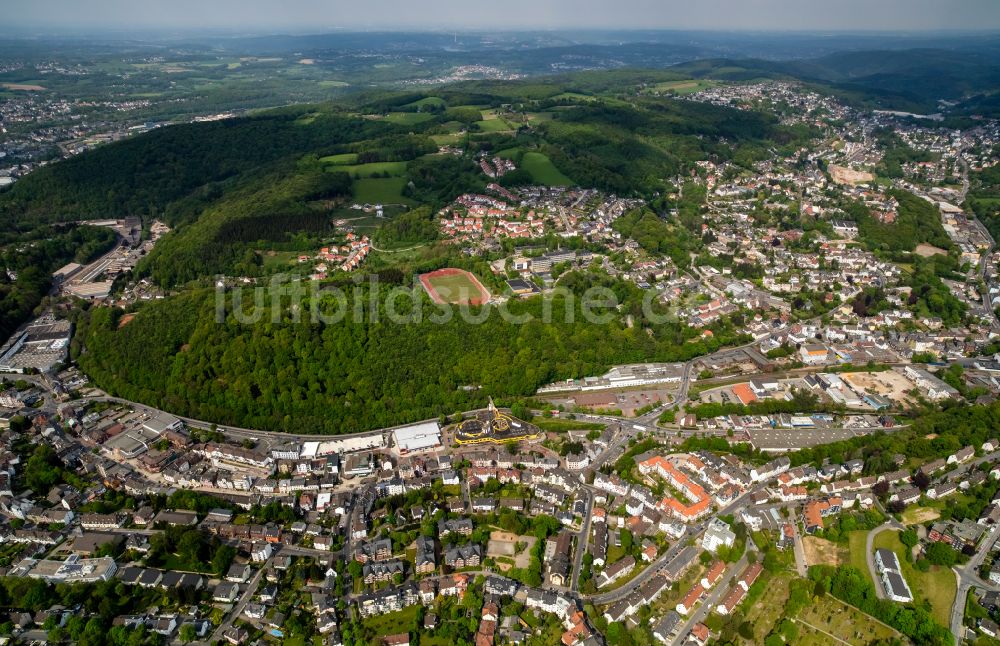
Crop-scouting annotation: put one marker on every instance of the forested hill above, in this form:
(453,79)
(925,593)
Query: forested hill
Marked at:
(144,175)
(229,187)
(355,375)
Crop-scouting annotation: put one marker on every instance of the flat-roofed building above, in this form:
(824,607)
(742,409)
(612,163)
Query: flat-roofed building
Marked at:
(73,570)
(417,437)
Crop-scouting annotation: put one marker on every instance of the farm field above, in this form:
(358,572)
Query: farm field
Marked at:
(543,170)
(937,585)
(380,190)
(828,616)
(493,125)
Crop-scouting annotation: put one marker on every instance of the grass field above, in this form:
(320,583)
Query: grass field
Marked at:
(689,86)
(428,101)
(394,622)
(448,139)
(543,170)
(493,125)
(380,190)
(857,540)
(937,585)
(435,640)
(396,169)
(820,551)
(278,259)
(919,515)
(341,159)
(408,118)
(540,116)
(455,286)
(828,616)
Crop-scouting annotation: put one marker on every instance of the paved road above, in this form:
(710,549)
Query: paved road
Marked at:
(657,565)
(800,553)
(712,600)
(870,554)
(582,539)
(241,604)
(968,578)
(620,593)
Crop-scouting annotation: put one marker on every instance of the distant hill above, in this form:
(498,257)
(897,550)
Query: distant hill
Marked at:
(912,80)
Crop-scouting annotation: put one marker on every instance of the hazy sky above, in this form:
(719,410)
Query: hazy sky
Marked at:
(316,15)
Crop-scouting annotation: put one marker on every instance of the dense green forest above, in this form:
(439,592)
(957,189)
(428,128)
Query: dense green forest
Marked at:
(932,434)
(143,175)
(268,206)
(984,198)
(852,586)
(100,602)
(354,375)
(32,257)
(917,221)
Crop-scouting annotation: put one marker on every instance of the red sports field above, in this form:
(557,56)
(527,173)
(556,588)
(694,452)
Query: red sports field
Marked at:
(455,286)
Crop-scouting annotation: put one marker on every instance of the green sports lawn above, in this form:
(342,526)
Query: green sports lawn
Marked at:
(454,289)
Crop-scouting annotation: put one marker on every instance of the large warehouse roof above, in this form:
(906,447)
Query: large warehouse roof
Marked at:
(417,437)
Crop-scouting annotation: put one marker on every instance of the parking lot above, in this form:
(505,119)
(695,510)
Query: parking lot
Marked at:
(791,439)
